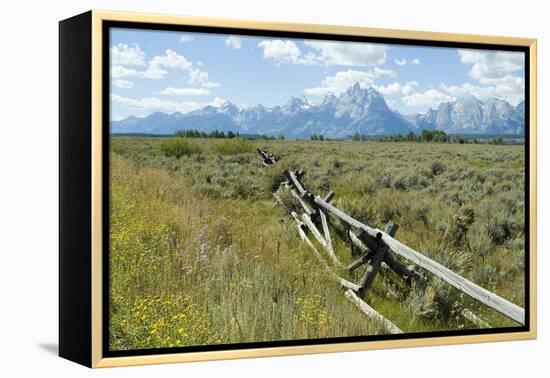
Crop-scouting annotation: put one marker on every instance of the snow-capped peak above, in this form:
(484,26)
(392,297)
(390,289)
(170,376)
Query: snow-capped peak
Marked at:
(356,110)
(295,104)
(228,108)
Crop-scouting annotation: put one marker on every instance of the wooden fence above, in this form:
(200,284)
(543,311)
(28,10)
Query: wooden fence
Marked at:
(380,252)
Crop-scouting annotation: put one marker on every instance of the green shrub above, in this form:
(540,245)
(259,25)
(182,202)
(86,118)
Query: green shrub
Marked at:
(480,241)
(384,178)
(423,302)
(500,230)
(484,275)
(233,147)
(409,181)
(438,168)
(204,227)
(178,147)
(517,246)
(337,164)
(358,208)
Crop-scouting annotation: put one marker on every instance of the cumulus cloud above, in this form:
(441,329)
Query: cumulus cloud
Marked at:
(431,97)
(210,84)
(495,74)
(510,89)
(415,61)
(124,55)
(171,59)
(397,88)
(488,67)
(400,62)
(498,74)
(123,84)
(233,42)
(158,66)
(342,80)
(120,72)
(185,91)
(347,53)
(152,104)
(155,68)
(153,72)
(281,51)
(200,78)
(324,53)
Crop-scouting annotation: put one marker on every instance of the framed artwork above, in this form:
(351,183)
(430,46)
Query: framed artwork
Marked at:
(235,189)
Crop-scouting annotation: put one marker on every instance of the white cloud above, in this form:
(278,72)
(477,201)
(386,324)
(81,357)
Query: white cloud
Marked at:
(197,77)
(123,84)
(510,89)
(415,61)
(217,102)
(400,62)
(383,71)
(185,91)
(151,104)
(170,59)
(157,69)
(124,55)
(200,78)
(495,73)
(324,53)
(431,97)
(391,103)
(397,88)
(490,67)
(210,84)
(120,72)
(281,51)
(342,80)
(346,53)
(173,60)
(153,72)
(186,38)
(233,42)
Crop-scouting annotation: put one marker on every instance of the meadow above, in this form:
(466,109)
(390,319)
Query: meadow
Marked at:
(201,254)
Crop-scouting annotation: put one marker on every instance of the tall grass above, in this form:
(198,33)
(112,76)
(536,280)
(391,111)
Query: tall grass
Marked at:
(191,270)
(199,254)
(232,146)
(178,147)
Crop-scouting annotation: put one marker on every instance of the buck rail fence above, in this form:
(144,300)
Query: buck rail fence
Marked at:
(380,252)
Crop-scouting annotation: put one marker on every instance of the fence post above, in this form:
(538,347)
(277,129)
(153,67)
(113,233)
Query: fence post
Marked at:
(376,261)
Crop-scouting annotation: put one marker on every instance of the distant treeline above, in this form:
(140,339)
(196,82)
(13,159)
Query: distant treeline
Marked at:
(317,137)
(192,133)
(433,136)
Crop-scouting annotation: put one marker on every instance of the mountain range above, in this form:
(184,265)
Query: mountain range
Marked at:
(357,110)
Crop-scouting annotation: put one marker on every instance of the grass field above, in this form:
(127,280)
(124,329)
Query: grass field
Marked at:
(199,254)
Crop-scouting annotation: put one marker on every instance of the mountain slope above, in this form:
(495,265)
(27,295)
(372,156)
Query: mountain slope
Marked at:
(470,115)
(357,110)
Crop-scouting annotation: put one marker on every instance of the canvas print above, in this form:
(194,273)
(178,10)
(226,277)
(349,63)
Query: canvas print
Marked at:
(267,189)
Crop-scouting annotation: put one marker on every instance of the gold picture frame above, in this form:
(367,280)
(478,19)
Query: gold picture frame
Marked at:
(89,268)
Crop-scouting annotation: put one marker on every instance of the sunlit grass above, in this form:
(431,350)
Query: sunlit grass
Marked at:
(199,254)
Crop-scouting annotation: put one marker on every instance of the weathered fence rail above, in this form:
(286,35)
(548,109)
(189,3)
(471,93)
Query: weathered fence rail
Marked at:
(267,158)
(378,247)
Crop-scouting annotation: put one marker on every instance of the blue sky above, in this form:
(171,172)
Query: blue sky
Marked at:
(175,71)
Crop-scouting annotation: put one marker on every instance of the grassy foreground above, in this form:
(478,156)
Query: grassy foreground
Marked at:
(200,255)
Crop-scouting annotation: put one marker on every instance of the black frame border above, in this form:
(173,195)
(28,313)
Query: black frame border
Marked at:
(107,25)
